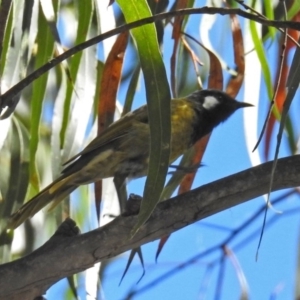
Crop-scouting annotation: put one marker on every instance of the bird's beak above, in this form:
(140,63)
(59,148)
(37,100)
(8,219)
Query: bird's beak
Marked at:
(243,104)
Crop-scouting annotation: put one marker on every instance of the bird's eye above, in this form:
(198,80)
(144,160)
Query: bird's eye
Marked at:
(210,102)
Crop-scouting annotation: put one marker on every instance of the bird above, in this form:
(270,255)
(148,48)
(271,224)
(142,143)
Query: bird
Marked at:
(122,149)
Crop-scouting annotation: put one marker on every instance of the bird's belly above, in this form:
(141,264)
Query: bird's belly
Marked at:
(180,143)
(116,163)
(133,168)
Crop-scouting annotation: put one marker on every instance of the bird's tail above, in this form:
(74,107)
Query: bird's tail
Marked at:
(55,193)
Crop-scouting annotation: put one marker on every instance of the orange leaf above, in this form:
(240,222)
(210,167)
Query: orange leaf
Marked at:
(215,78)
(188,179)
(110,82)
(281,94)
(176,36)
(161,244)
(108,94)
(235,83)
(195,59)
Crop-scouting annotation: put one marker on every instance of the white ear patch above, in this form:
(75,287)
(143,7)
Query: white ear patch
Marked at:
(210,102)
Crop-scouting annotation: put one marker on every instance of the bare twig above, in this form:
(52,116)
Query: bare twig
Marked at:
(5,99)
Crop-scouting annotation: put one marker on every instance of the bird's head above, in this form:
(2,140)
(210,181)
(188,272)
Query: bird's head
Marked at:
(213,107)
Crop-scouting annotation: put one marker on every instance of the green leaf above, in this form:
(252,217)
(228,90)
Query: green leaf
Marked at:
(56,123)
(293,10)
(270,15)
(178,175)
(6,40)
(262,58)
(158,100)
(85,9)
(19,162)
(45,44)
(131,90)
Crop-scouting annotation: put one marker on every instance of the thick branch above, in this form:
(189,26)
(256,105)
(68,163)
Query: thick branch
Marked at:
(67,252)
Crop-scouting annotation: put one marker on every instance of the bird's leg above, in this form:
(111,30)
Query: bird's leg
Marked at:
(185,169)
(120,185)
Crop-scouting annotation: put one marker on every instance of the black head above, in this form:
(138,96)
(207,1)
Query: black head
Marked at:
(213,107)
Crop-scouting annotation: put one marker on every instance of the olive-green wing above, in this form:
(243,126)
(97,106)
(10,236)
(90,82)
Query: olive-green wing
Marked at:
(116,130)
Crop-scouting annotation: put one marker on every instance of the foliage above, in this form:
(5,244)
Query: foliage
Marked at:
(60,88)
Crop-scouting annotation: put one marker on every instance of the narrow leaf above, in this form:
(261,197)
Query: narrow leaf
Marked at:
(188,179)
(158,100)
(131,90)
(45,50)
(5,30)
(84,21)
(130,259)
(110,81)
(262,58)
(19,163)
(176,34)
(161,244)
(236,82)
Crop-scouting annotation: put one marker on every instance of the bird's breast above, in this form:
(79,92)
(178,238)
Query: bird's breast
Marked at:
(182,120)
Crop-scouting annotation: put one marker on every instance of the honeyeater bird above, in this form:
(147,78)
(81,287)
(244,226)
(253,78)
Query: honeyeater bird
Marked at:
(123,148)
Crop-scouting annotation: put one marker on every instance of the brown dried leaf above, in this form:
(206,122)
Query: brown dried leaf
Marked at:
(176,36)
(235,82)
(281,94)
(215,79)
(107,97)
(188,179)
(110,82)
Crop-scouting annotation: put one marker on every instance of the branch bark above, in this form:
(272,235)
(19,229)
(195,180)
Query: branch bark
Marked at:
(69,252)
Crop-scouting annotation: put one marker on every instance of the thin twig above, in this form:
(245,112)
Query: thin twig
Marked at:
(5,99)
(279,137)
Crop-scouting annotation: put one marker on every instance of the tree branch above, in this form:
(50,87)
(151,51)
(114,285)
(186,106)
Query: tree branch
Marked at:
(6,99)
(68,252)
